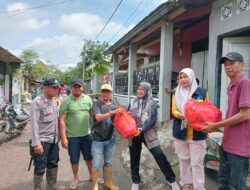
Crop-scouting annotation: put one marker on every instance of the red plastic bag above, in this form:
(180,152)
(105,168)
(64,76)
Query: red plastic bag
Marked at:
(197,113)
(125,124)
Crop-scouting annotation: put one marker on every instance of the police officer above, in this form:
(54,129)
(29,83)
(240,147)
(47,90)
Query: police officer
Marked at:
(45,135)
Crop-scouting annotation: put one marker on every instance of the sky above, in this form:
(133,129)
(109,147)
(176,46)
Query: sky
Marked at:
(56,29)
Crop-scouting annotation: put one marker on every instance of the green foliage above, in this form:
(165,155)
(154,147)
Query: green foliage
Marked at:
(39,70)
(96,61)
(29,56)
(55,72)
(18,72)
(70,74)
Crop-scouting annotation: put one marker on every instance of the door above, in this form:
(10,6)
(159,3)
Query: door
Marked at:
(241,45)
(199,66)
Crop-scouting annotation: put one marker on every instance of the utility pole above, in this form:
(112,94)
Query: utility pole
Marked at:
(84,58)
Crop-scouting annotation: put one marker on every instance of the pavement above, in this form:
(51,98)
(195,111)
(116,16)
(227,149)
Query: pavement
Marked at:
(14,161)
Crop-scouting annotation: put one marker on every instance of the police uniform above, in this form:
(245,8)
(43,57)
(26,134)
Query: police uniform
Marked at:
(45,132)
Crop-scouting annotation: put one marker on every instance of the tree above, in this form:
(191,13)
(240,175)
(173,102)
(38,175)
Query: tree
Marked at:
(55,72)
(96,61)
(29,56)
(70,74)
(39,70)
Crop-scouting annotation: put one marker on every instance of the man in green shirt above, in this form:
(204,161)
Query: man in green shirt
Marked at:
(74,128)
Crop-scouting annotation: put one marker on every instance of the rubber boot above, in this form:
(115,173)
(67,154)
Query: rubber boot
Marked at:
(51,177)
(108,183)
(37,180)
(94,176)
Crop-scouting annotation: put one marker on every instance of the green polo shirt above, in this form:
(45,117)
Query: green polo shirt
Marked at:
(77,115)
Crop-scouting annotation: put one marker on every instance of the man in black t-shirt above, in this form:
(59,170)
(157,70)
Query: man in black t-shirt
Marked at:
(103,145)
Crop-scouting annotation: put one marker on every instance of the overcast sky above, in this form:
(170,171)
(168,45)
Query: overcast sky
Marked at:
(55,29)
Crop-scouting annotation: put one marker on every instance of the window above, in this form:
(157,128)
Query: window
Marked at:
(121,84)
(149,74)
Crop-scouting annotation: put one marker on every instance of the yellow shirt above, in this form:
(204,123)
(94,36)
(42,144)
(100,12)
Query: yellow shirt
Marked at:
(176,112)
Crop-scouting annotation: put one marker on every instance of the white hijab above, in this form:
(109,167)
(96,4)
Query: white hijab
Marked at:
(182,95)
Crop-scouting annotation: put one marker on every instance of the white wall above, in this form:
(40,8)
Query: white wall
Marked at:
(217,28)
(7,87)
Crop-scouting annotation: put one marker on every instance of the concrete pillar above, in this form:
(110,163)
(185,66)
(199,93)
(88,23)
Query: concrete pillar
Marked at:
(115,70)
(19,90)
(166,54)
(131,68)
(7,87)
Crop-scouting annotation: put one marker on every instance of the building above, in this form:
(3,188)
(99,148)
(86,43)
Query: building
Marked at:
(177,35)
(229,30)
(9,81)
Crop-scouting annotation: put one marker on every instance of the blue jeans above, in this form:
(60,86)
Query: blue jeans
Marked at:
(233,171)
(103,149)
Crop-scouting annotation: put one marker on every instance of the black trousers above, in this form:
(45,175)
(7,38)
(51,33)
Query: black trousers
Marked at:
(49,159)
(159,156)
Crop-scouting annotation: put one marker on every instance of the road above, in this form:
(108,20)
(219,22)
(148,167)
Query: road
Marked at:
(14,161)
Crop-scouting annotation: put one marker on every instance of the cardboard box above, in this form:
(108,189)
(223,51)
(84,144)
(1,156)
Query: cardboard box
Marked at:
(212,157)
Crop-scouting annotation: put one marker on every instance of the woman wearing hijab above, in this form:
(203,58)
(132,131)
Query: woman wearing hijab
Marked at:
(190,145)
(144,110)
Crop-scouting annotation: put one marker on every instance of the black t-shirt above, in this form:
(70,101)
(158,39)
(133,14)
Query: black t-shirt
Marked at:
(104,130)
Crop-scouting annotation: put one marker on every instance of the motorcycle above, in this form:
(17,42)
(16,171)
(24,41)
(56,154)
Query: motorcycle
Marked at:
(15,119)
(3,104)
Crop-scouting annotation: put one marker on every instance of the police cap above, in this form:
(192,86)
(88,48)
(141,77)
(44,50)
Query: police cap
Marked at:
(51,82)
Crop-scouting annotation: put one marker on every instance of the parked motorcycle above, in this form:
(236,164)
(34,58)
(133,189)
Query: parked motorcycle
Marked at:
(15,119)
(2,123)
(3,104)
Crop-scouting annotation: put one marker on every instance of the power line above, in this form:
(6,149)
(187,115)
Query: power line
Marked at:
(151,1)
(75,53)
(19,10)
(22,11)
(126,22)
(129,20)
(37,7)
(108,20)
